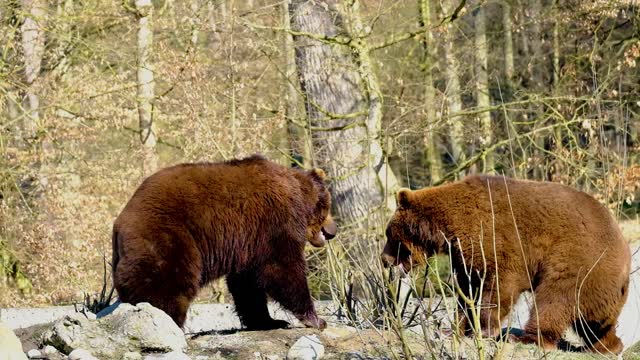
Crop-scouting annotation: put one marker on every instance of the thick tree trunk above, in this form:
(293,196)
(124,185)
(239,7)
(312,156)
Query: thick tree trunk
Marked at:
(336,108)
(146,86)
(453,91)
(430,136)
(377,157)
(482,88)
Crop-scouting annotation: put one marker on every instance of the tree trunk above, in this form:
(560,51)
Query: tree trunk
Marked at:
(536,75)
(336,108)
(32,30)
(297,126)
(482,88)
(509,68)
(453,91)
(377,156)
(146,86)
(430,136)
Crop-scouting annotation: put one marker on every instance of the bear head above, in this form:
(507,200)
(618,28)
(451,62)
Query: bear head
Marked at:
(320,226)
(409,239)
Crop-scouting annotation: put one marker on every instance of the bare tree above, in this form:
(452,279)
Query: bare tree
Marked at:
(297,127)
(509,67)
(453,90)
(343,124)
(430,136)
(482,87)
(146,84)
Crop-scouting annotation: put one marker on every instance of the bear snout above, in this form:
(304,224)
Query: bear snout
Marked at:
(329,230)
(388,260)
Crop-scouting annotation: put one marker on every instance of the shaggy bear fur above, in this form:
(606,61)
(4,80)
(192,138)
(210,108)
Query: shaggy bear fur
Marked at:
(247,219)
(520,236)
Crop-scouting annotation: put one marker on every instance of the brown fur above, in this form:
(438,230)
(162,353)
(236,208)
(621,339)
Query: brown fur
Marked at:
(549,238)
(247,219)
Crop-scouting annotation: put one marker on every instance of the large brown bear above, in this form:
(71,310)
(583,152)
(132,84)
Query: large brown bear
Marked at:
(520,236)
(248,219)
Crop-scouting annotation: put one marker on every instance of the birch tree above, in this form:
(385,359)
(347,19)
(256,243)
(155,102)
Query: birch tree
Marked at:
(146,84)
(482,88)
(507,27)
(453,90)
(430,136)
(343,108)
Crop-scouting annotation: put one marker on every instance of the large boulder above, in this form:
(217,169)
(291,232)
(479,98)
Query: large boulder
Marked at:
(140,328)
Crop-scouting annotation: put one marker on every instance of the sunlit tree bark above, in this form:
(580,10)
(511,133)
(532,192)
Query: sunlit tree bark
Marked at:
(343,124)
(430,137)
(482,87)
(509,67)
(146,85)
(453,90)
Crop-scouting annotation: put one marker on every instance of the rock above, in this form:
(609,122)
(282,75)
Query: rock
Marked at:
(339,332)
(127,329)
(131,355)
(81,354)
(152,327)
(10,346)
(49,350)
(33,354)
(174,355)
(307,347)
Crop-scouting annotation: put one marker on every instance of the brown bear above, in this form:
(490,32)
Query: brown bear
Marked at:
(506,236)
(248,219)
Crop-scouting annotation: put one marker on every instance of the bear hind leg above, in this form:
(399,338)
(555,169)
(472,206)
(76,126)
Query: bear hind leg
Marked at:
(251,302)
(598,339)
(164,290)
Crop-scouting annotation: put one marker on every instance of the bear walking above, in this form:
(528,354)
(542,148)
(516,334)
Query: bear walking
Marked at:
(248,219)
(507,236)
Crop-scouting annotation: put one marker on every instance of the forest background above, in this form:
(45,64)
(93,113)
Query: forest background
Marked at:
(96,95)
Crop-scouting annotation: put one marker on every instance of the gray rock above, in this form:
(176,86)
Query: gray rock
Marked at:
(131,355)
(49,350)
(174,355)
(307,347)
(127,329)
(33,353)
(152,327)
(81,354)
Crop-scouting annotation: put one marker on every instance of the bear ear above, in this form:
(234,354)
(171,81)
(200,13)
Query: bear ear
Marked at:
(318,174)
(402,197)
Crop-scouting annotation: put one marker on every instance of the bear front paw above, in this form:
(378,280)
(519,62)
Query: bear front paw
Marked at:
(314,322)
